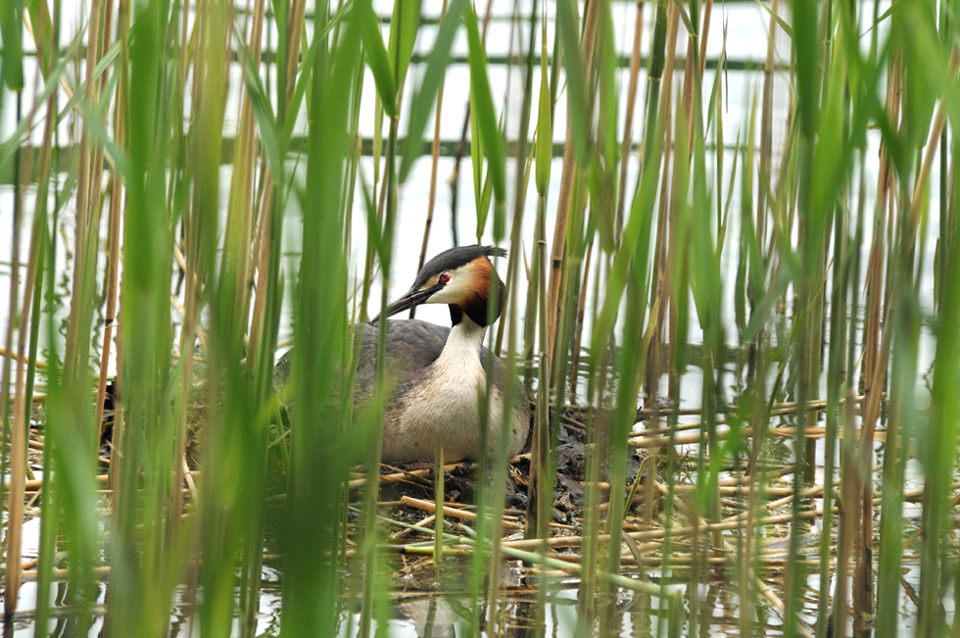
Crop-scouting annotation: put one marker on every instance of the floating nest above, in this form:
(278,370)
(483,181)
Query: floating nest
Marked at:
(414,483)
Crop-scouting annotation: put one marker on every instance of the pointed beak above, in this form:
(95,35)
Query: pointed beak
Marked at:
(409,300)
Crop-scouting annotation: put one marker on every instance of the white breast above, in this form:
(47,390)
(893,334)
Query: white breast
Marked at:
(443,411)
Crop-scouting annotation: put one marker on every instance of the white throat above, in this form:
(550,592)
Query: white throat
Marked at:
(463,343)
(442,411)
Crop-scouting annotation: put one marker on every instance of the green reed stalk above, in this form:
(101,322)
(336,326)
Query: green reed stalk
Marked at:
(145,439)
(113,258)
(241,215)
(30,315)
(948,233)
(274,193)
(70,432)
(320,452)
(810,220)
(403,24)
(706,287)
(631,360)
(626,148)
(44,278)
(501,458)
(939,453)
(237,268)
(234,443)
(543,440)
(522,173)
(488,137)
(938,459)
(573,232)
(86,221)
(902,401)
(836,389)
(766,142)
(14,434)
(566,41)
(11,57)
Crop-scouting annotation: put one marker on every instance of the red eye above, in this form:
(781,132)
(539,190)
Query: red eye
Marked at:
(444,278)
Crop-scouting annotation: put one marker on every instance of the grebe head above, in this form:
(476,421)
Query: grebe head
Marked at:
(460,277)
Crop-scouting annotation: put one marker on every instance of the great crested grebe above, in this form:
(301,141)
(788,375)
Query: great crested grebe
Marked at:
(437,374)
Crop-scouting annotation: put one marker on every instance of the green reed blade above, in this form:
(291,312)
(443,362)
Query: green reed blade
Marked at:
(544,147)
(925,66)
(9,148)
(568,33)
(147,437)
(404,26)
(780,21)
(483,205)
(11,54)
(380,65)
(102,66)
(310,540)
(482,109)
(604,173)
(266,120)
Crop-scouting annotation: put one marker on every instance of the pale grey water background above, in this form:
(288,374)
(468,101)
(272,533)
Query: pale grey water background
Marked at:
(746,41)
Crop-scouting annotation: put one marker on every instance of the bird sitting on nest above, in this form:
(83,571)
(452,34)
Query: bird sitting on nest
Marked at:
(437,374)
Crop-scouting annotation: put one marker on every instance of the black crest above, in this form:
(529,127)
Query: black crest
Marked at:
(454,258)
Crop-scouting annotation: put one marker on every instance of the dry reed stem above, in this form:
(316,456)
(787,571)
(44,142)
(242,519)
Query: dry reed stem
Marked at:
(917,201)
(689,85)
(102,573)
(737,490)
(683,561)
(873,373)
(663,276)
(242,177)
(735,481)
(705,34)
(698,523)
(18,436)
(396,477)
(778,410)
(578,333)
(262,253)
(113,257)
(642,534)
(635,62)
(17,356)
(766,114)
(422,523)
(643,441)
(295,21)
(569,174)
(431,506)
(84,223)
(36,484)
(863,582)
(200,330)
